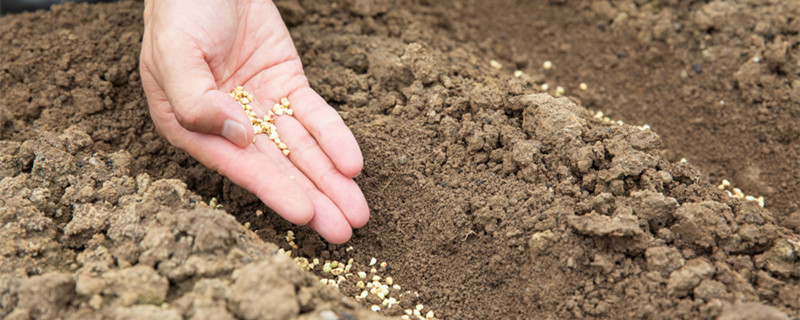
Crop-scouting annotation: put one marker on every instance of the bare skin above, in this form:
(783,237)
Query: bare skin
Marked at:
(194,53)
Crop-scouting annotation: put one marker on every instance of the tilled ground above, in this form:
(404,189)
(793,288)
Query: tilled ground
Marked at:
(489,198)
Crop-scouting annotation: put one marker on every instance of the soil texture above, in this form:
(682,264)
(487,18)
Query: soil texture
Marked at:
(490,197)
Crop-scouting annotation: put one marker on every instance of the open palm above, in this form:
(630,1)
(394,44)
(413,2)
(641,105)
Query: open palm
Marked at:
(194,53)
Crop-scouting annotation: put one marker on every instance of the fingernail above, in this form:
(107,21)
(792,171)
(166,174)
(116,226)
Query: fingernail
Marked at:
(234,132)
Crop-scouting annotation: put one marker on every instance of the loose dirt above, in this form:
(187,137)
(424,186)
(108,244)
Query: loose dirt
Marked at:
(489,197)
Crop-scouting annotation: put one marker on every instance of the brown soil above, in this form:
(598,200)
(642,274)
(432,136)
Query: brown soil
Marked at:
(489,198)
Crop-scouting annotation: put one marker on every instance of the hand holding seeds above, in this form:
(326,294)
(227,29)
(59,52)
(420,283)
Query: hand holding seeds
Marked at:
(195,57)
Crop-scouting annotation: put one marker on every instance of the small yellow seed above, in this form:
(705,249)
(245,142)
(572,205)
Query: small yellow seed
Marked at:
(547,65)
(429,315)
(285,102)
(373,270)
(286,153)
(420,307)
(389,281)
(362,274)
(376,278)
(360,284)
(583,86)
(283,146)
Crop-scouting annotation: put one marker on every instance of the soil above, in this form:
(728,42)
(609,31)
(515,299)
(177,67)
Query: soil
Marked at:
(490,198)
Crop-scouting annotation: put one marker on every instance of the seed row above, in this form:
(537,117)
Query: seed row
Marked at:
(264,125)
(381,291)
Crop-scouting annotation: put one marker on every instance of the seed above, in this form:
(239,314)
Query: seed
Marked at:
(360,284)
(362,274)
(334,264)
(383,264)
(332,283)
(429,315)
(583,86)
(286,152)
(408,311)
(364,294)
(381,295)
(494,64)
(389,281)
(245,101)
(336,271)
(375,308)
(417,313)
(350,248)
(285,102)
(545,86)
(396,287)
(289,112)
(420,307)
(282,146)
(385,302)
(405,317)
(518,73)
(559,91)
(376,278)
(373,270)
(372,261)
(323,281)
(373,291)
(547,65)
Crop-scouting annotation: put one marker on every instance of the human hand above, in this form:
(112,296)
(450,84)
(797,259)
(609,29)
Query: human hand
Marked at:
(194,53)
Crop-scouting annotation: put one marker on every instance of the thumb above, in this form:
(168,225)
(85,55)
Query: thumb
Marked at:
(196,102)
(213,112)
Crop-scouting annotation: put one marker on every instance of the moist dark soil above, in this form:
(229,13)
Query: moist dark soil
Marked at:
(490,197)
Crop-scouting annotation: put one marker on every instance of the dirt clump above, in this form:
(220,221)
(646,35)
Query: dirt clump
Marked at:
(489,198)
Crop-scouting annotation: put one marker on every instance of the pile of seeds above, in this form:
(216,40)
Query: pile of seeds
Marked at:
(373,287)
(267,124)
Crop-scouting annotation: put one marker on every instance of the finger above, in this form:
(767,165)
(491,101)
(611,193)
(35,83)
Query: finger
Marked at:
(253,171)
(328,220)
(327,127)
(307,155)
(191,90)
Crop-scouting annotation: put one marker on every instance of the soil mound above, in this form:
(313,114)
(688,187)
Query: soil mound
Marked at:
(489,198)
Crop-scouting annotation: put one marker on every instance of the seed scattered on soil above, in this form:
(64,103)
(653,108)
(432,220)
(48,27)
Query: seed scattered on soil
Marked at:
(547,65)
(380,286)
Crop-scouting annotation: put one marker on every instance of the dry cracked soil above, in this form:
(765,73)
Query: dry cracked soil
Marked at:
(490,196)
